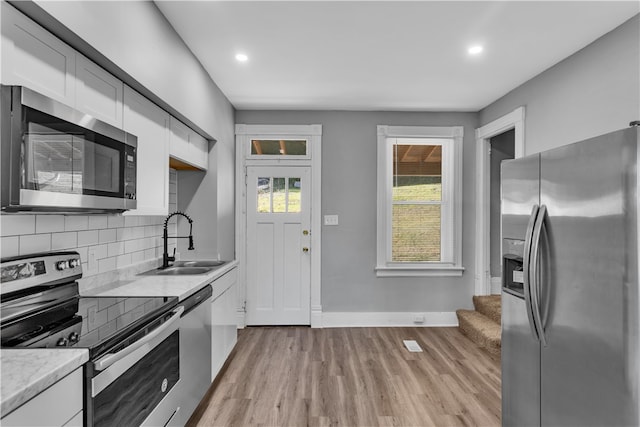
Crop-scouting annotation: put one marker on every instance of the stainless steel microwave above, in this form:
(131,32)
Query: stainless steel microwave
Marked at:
(57,159)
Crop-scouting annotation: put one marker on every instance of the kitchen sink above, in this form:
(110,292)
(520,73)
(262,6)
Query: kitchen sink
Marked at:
(201,263)
(179,271)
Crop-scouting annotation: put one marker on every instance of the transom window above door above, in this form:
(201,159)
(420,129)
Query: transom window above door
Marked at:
(270,148)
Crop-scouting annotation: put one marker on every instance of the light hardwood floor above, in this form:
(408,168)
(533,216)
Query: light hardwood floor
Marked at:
(297,376)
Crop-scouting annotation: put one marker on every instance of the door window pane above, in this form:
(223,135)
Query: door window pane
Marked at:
(264,194)
(293,205)
(278,147)
(278,195)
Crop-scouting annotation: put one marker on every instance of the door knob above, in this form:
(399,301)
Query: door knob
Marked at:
(305,249)
(305,232)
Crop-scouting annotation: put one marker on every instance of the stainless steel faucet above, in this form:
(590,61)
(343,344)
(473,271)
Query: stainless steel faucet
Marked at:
(165,235)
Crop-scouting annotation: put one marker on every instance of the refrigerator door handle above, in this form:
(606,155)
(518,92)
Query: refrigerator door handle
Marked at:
(535,273)
(527,272)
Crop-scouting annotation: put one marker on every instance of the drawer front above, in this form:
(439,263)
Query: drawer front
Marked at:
(48,408)
(224,282)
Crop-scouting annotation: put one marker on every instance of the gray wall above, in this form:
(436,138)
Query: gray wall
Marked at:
(349,282)
(502,148)
(594,91)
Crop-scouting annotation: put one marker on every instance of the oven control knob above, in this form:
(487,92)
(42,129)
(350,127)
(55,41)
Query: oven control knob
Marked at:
(73,337)
(62,265)
(62,342)
(74,262)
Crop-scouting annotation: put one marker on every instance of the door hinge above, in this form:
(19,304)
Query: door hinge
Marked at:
(244,306)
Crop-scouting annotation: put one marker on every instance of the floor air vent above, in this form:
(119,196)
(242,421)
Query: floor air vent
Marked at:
(412,346)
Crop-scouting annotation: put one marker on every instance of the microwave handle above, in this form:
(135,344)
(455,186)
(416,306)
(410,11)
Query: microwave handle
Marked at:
(111,358)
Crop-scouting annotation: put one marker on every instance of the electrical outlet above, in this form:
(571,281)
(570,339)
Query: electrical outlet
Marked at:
(418,318)
(331,220)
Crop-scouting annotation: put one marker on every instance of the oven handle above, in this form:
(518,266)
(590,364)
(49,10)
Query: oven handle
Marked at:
(111,358)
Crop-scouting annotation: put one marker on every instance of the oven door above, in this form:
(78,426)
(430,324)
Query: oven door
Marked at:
(124,387)
(66,159)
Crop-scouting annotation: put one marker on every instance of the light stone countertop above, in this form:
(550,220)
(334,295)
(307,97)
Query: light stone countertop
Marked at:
(161,286)
(28,372)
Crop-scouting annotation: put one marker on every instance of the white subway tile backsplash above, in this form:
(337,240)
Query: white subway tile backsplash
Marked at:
(133,246)
(49,223)
(137,232)
(107,235)
(76,222)
(83,252)
(67,240)
(115,249)
(123,260)
(115,221)
(9,246)
(131,221)
(118,241)
(15,225)
(137,257)
(88,238)
(106,264)
(101,251)
(98,221)
(32,243)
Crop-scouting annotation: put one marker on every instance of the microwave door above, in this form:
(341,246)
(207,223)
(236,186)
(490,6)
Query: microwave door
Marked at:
(48,164)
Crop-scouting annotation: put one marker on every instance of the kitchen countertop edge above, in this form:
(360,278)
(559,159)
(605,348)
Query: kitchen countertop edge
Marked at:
(28,372)
(158,285)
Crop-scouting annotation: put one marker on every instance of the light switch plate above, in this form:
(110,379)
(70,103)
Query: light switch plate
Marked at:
(331,220)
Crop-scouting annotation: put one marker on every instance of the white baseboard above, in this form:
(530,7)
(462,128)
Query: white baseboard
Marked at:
(240,318)
(496,285)
(377,319)
(316,316)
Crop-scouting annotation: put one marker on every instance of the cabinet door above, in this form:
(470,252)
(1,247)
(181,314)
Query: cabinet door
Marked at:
(151,125)
(98,93)
(187,146)
(50,408)
(33,57)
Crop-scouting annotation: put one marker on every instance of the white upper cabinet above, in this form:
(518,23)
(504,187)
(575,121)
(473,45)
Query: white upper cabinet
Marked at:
(33,57)
(188,146)
(98,92)
(150,124)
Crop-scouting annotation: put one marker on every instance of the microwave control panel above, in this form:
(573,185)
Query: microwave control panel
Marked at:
(130,173)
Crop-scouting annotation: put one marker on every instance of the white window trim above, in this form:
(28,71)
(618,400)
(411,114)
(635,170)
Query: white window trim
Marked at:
(453,248)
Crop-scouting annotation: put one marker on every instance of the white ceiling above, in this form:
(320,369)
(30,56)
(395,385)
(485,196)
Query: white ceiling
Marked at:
(384,55)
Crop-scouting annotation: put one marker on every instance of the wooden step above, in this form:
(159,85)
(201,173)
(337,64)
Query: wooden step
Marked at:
(490,306)
(480,329)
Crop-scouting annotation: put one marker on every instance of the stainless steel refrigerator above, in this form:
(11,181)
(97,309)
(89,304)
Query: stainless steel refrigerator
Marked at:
(570,354)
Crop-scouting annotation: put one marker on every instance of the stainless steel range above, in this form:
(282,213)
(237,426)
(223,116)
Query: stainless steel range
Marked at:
(133,343)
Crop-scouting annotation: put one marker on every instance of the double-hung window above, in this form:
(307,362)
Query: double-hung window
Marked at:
(419,201)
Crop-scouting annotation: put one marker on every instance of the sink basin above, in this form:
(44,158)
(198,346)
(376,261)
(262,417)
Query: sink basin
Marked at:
(180,271)
(201,263)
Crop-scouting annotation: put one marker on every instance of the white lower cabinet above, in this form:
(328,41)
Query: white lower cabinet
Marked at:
(58,405)
(224,329)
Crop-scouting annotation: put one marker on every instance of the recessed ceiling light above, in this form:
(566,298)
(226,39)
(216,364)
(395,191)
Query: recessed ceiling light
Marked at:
(474,50)
(241,57)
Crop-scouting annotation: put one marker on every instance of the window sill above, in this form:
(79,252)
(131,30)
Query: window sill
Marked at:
(419,271)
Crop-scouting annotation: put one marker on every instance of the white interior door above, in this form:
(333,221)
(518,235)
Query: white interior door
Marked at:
(278,245)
